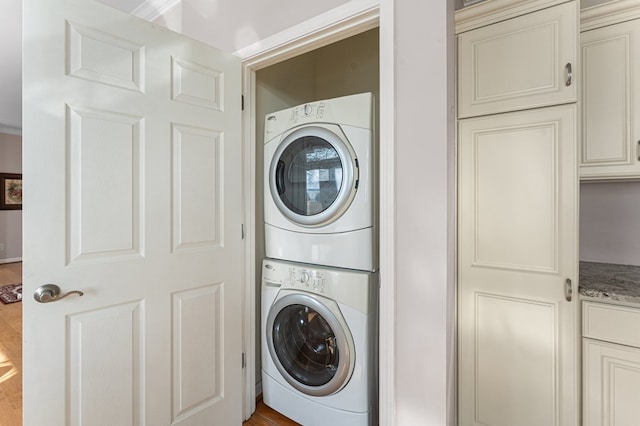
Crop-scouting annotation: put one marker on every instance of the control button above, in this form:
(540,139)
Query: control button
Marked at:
(318,285)
(304,276)
(308,109)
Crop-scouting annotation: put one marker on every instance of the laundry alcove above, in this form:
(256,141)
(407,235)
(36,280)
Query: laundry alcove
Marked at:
(345,67)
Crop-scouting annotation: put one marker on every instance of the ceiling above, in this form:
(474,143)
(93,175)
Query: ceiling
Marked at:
(226,24)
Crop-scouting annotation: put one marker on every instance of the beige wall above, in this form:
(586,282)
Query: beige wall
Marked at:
(424,212)
(609,230)
(10,220)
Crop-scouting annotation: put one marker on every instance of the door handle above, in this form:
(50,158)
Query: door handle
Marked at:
(51,293)
(568,289)
(568,74)
(280,177)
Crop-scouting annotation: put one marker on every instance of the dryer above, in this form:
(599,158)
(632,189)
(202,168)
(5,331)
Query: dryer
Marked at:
(320,183)
(319,343)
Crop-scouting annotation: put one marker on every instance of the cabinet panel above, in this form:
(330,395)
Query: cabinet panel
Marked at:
(613,323)
(611,384)
(518,336)
(499,365)
(611,96)
(518,63)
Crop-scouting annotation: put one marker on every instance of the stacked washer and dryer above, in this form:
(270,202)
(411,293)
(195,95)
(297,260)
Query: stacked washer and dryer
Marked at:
(320,282)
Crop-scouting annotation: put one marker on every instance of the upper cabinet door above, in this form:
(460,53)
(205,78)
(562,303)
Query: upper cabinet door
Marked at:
(520,63)
(611,96)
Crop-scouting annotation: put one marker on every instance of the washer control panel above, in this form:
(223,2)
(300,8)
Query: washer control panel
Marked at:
(296,276)
(357,289)
(307,279)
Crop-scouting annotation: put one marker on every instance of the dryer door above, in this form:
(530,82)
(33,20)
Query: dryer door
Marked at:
(313,175)
(310,343)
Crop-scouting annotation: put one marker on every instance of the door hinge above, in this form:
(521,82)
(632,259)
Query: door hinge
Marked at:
(244,361)
(242,102)
(242,231)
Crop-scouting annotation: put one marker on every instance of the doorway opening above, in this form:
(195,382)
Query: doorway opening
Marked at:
(11,349)
(345,67)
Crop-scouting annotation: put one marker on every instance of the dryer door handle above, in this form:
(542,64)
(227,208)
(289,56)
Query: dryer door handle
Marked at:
(280,177)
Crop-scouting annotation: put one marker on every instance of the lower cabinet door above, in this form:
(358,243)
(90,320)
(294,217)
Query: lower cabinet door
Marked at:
(517,256)
(611,384)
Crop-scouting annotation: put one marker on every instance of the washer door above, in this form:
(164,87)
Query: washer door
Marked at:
(313,175)
(310,344)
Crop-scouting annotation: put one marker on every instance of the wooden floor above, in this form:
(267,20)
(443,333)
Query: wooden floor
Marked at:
(10,351)
(11,363)
(265,416)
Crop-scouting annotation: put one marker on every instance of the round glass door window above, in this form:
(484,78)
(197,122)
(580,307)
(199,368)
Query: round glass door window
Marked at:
(312,176)
(306,345)
(309,346)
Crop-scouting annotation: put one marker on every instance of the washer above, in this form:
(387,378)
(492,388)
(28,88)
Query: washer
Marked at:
(319,344)
(319,193)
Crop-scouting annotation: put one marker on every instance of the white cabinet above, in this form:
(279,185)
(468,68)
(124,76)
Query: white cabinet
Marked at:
(611,102)
(518,334)
(524,62)
(518,339)
(611,365)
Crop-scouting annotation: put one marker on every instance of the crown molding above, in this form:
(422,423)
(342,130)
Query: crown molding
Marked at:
(150,10)
(492,11)
(609,13)
(328,27)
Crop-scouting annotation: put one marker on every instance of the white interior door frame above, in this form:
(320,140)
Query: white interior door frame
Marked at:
(342,22)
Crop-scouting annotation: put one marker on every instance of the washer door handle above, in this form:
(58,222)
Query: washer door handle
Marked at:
(280,177)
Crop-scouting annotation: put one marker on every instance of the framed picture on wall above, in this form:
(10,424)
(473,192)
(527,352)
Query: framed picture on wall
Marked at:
(10,191)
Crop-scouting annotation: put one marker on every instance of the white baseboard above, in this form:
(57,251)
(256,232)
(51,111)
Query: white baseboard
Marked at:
(11,260)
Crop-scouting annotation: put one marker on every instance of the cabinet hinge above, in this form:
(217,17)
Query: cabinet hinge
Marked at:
(242,102)
(242,231)
(244,361)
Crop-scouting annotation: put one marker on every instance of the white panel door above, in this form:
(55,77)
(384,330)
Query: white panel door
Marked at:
(524,62)
(518,335)
(132,171)
(611,102)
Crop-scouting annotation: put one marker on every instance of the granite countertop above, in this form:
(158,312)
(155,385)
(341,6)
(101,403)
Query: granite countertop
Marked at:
(610,282)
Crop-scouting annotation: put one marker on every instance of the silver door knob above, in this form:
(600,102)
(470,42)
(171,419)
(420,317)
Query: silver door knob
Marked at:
(50,293)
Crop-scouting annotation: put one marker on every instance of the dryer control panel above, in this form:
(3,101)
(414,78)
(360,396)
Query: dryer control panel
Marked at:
(352,110)
(311,110)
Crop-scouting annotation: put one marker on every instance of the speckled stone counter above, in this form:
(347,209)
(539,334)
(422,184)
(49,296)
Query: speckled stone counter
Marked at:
(608,281)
